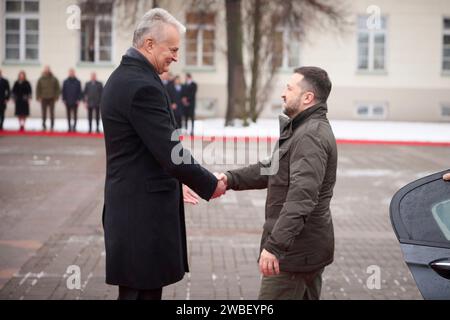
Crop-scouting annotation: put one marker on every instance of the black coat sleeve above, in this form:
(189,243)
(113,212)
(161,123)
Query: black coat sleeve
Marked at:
(150,118)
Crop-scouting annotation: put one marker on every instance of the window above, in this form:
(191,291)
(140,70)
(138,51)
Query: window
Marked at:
(371,110)
(446,46)
(441,214)
(96,32)
(445,111)
(371,45)
(200,39)
(287,48)
(21,30)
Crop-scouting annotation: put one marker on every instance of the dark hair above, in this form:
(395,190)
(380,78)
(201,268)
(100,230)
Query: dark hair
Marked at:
(188,75)
(317,80)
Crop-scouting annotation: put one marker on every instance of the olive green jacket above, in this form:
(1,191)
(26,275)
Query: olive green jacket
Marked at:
(48,87)
(299,179)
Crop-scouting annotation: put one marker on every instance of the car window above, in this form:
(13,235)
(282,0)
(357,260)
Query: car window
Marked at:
(425,213)
(441,214)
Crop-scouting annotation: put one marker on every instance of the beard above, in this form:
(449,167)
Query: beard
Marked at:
(292,107)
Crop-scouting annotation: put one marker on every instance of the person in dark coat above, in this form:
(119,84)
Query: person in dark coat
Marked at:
(189,97)
(92,95)
(297,241)
(5,93)
(146,165)
(72,95)
(22,95)
(175,91)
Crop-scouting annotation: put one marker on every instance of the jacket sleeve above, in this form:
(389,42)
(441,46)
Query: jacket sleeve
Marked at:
(64,90)
(248,178)
(39,89)
(80,92)
(57,89)
(307,170)
(150,118)
(8,90)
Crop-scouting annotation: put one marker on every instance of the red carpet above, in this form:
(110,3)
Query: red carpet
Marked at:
(236,139)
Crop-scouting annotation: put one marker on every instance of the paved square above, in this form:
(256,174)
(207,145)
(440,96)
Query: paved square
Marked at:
(51,193)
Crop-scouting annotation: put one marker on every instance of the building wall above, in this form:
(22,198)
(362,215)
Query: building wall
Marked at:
(413,88)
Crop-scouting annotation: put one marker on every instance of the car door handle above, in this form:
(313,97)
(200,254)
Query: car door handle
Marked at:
(442,267)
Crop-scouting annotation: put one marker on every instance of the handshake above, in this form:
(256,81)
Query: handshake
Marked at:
(190,196)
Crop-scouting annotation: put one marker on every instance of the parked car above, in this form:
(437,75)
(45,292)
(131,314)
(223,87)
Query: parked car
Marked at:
(420,217)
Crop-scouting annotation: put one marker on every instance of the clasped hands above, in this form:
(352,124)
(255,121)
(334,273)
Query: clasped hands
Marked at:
(189,196)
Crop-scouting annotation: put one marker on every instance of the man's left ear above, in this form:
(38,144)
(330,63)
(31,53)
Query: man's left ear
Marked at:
(149,44)
(309,97)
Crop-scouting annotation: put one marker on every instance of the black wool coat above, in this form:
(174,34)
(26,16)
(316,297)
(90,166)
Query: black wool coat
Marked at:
(143,215)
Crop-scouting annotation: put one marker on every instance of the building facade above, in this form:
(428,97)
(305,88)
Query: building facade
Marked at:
(393,62)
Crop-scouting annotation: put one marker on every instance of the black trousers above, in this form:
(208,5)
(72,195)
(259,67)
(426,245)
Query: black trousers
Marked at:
(189,114)
(126,293)
(2,114)
(72,113)
(91,110)
(48,104)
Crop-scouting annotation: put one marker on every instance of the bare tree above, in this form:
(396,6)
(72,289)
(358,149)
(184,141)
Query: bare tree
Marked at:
(263,19)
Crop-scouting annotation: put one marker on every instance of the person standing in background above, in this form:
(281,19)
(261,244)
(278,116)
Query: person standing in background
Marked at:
(22,94)
(4,97)
(72,95)
(47,93)
(189,96)
(175,91)
(92,96)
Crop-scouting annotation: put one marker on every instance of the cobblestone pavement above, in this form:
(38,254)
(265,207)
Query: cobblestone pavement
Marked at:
(50,218)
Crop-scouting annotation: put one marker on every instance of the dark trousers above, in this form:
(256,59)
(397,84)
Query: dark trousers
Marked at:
(292,286)
(2,114)
(188,115)
(178,118)
(72,114)
(126,293)
(91,110)
(48,105)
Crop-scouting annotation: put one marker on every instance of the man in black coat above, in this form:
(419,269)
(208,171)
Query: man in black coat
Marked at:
(143,215)
(72,95)
(175,91)
(189,97)
(5,93)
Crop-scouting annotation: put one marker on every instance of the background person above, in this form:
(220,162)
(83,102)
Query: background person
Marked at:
(5,93)
(92,95)
(72,95)
(47,92)
(22,95)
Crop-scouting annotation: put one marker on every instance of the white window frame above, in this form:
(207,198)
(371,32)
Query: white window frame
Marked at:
(445,32)
(371,105)
(286,54)
(201,28)
(371,45)
(22,17)
(97,20)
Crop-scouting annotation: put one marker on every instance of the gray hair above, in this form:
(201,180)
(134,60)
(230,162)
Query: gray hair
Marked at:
(153,23)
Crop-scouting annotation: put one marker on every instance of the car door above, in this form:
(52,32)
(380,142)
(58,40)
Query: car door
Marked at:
(420,216)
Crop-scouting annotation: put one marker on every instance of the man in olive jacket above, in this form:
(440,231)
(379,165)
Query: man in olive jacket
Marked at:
(143,215)
(298,239)
(47,93)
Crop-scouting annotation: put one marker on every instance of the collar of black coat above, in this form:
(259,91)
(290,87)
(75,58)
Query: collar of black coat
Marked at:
(288,126)
(134,57)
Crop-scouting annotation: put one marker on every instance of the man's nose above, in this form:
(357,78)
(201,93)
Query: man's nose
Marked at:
(175,57)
